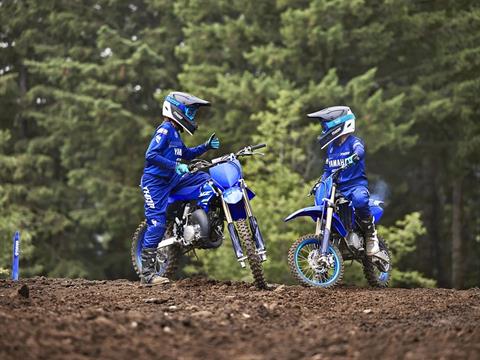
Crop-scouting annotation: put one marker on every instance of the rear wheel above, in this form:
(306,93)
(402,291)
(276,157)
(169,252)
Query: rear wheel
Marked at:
(253,259)
(375,276)
(167,259)
(310,267)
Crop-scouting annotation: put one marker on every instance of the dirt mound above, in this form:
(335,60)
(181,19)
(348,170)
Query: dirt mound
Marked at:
(198,319)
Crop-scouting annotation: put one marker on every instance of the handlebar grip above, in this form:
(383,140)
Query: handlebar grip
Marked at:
(259,146)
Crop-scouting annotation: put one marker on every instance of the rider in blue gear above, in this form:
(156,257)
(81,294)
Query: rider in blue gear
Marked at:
(338,122)
(164,174)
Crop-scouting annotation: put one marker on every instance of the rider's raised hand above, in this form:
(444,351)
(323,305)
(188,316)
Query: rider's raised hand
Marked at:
(351,159)
(181,169)
(213,142)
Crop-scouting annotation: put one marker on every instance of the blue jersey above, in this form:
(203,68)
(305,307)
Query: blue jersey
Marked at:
(336,155)
(166,149)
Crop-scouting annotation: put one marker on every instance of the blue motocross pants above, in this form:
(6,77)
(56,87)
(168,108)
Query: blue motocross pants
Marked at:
(359,196)
(156,191)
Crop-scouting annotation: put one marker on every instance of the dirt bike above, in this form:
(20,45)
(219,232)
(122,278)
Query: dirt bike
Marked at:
(196,216)
(318,259)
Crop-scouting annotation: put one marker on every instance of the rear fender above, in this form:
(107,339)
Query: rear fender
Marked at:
(376,209)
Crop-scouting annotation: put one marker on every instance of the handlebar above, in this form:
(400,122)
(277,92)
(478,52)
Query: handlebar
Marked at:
(204,164)
(258,146)
(334,173)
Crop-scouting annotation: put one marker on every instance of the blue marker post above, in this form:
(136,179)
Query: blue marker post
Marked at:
(16,255)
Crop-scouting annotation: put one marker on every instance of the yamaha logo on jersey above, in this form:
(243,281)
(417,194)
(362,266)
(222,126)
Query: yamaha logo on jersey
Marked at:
(336,163)
(178,151)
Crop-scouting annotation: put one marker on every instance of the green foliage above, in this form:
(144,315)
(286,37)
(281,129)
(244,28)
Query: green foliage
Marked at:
(81,85)
(401,239)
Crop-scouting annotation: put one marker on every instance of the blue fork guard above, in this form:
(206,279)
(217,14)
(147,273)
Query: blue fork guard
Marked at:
(257,235)
(315,212)
(237,247)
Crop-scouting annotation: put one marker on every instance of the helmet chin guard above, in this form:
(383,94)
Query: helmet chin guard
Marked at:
(182,108)
(336,121)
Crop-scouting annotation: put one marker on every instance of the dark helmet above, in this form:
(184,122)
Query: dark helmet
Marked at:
(336,121)
(182,108)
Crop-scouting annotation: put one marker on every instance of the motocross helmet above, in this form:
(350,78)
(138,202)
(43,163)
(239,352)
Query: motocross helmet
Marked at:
(182,108)
(336,121)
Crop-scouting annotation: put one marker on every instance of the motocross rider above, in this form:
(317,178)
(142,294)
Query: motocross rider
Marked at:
(338,123)
(164,174)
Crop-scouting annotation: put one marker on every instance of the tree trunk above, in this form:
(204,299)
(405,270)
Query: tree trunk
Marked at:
(457,258)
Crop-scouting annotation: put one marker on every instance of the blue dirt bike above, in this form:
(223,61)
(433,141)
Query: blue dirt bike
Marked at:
(317,259)
(196,216)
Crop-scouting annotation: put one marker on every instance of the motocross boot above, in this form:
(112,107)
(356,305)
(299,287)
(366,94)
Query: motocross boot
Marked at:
(371,239)
(148,268)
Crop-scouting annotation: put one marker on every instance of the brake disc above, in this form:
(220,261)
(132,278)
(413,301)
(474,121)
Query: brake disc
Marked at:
(320,263)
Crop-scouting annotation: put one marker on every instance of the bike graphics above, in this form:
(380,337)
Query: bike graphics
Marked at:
(317,259)
(196,218)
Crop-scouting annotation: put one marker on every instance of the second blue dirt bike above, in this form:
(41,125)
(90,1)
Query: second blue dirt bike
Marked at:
(317,259)
(196,217)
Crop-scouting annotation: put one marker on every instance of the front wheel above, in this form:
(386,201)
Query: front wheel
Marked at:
(378,275)
(310,267)
(253,259)
(167,259)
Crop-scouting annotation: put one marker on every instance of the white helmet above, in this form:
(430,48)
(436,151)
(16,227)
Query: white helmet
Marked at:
(182,108)
(336,121)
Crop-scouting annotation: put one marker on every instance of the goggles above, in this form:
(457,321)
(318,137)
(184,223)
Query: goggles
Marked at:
(188,111)
(327,125)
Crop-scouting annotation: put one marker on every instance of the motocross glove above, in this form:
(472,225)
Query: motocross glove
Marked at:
(351,159)
(181,169)
(213,142)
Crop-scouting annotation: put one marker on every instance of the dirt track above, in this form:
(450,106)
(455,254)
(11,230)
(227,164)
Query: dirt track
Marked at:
(204,319)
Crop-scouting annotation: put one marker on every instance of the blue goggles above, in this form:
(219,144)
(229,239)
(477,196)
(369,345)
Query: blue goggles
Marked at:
(188,111)
(327,125)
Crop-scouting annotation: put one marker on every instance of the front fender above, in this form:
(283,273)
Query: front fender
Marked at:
(313,211)
(234,194)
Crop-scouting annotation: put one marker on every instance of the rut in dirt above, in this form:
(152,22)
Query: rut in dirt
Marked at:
(201,318)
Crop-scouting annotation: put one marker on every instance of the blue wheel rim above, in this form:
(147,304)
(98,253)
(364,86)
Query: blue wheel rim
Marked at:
(383,277)
(160,270)
(336,268)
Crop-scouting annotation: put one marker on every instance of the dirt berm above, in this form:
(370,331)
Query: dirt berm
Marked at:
(205,319)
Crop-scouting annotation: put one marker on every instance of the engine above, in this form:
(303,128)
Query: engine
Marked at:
(354,241)
(197,228)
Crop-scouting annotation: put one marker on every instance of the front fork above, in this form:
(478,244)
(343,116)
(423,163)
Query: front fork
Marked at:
(255,229)
(237,247)
(328,222)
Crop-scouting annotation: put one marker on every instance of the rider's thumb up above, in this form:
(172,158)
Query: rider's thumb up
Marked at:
(213,142)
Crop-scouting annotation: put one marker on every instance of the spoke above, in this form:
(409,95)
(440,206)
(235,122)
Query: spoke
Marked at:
(301,257)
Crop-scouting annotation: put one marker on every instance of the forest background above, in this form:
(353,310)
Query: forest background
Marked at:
(81,87)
